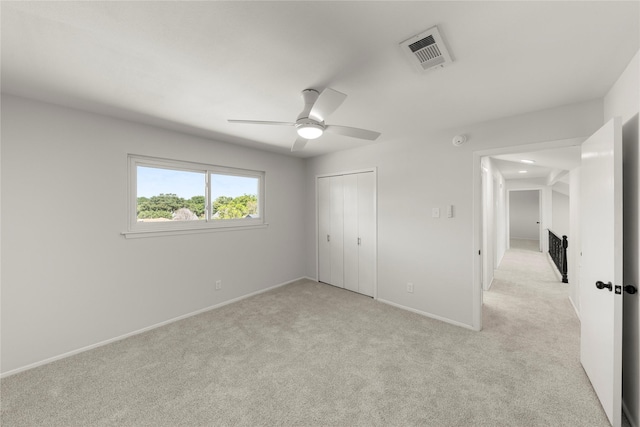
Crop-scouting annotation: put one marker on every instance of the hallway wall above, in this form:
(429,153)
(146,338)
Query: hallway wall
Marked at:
(560,214)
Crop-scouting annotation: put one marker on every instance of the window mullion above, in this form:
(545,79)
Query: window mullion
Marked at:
(207,196)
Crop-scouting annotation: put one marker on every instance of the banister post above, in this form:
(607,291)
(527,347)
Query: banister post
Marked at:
(565,245)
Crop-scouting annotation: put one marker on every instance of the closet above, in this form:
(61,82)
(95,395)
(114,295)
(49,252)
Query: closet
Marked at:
(347,231)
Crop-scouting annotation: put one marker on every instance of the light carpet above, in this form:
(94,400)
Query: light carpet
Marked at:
(310,354)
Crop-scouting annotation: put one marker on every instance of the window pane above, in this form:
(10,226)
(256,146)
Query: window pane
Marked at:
(234,197)
(169,195)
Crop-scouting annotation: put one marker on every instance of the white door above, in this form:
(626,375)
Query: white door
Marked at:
(601,241)
(347,231)
(337,231)
(351,236)
(366,233)
(324,230)
(330,230)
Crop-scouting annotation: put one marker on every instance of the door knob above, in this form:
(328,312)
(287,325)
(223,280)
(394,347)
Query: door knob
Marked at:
(602,285)
(630,289)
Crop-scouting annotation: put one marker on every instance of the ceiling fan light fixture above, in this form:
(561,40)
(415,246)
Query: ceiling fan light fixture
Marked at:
(309,130)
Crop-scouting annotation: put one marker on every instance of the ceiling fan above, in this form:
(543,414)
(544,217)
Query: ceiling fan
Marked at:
(310,122)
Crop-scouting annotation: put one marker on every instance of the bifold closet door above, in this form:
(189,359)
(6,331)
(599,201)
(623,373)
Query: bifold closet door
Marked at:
(324,230)
(359,232)
(330,230)
(346,231)
(366,233)
(351,236)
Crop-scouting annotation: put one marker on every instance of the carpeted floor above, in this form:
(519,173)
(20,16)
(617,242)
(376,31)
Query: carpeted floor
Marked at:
(309,354)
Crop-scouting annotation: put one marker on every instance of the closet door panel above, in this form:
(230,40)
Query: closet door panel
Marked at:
(337,231)
(367,233)
(351,232)
(324,230)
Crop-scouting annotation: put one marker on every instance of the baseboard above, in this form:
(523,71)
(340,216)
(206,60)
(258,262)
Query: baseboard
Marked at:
(432,316)
(628,415)
(574,308)
(554,267)
(140,331)
(493,278)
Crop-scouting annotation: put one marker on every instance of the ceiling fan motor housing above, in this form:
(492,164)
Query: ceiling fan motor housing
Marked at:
(309,96)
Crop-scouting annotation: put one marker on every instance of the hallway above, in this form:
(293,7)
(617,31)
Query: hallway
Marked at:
(528,303)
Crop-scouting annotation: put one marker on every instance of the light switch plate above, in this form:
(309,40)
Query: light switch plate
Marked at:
(435,212)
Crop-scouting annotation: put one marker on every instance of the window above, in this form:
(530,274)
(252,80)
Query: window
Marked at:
(168,196)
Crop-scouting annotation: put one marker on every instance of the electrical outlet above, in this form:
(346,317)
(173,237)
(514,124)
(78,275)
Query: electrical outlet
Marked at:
(218,285)
(410,287)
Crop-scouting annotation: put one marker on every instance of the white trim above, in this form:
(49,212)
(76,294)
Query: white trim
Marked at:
(477,230)
(145,329)
(574,308)
(351,172)
(429,315)
(556,272)
(196,230)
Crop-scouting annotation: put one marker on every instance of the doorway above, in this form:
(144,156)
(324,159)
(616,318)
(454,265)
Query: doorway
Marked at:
(524,212)
(491,215)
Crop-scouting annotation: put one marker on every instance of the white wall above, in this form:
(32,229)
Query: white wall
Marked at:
(524,214)
(494,228)
(500,209)
(488,223)
(70,280)
(623,100)
(437,255)
(574,257)
(560,214)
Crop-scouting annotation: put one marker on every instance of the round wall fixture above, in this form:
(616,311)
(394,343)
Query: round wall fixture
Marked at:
(458,140)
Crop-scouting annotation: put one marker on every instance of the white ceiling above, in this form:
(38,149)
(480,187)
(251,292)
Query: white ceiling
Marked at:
(547,163)
(190,66)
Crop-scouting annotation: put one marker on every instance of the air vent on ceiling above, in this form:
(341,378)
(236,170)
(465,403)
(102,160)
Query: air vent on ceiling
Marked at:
(427,50)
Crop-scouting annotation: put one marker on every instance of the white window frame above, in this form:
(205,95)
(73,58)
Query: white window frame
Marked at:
(137,229)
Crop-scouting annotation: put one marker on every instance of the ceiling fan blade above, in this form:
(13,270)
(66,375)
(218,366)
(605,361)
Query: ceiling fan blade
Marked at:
(299,144)
(328,102)
(257,122)
(353,132)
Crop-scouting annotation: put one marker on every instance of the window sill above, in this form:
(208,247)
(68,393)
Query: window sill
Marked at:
(139,234)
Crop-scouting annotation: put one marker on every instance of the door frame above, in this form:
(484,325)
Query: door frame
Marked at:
(373,170)
(477,210)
